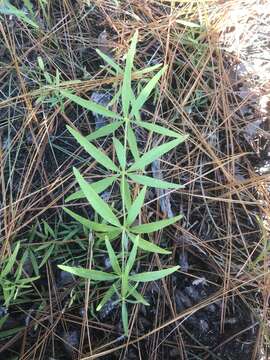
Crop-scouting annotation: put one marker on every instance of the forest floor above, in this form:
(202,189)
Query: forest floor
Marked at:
(216,90)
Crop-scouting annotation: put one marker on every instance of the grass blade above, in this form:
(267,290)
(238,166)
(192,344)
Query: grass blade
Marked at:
(95,200)
(155,226)
(97,154)
(153,275)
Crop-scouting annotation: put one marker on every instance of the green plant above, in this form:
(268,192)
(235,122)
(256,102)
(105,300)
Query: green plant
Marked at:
(50,93)
(121,224)
(7,8)
(11,282)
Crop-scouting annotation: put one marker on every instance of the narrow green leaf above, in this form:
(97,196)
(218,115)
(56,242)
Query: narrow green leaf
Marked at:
(154,154)
(126,87)
(91,225)
(120,152)
(146,91)
(153,275)
(112,257)
(3,320)
(147,70)
(152,182)
(107,59)
(125,193)
(7,333)
(40,63)
(136,206)
(95,200)
(160,130)
(132,142)
(34,263)
(11,261)
(46,256)
(104,130)
(89,274)
(111,235)
(98,186)
(132,256)
(48,230)
(133,292)
(107,296)
(124,317)
(97,154)
(148,246)
(8,9)
(90,105)
(155,226)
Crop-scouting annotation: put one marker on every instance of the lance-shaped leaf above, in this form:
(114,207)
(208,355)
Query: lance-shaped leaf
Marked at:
(153,182)
(98,186)
(110,61)
(120,153)
(104,130)
(11,261)
(91,225)
(146,91)
(108,295)
(126,87)
(132,256)
(147,70)
(153,275)
(149,246)
(138,297)
(136,206)
(95,200)
(8,9)
(155,226)
(154,154)
(132,142)
(124,313)
(89,274)
(125,193)
(90,105)
(160,130)
(97,154)
(112,257)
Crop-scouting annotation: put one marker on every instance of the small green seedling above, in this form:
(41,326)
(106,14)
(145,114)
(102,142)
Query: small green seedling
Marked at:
(123,225)
(12,282)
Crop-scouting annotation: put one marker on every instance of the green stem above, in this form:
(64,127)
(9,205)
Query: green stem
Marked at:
(123,181)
